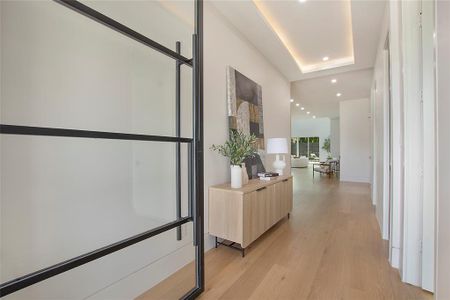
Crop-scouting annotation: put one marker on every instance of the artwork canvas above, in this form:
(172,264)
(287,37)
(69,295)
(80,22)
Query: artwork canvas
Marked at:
(245,113)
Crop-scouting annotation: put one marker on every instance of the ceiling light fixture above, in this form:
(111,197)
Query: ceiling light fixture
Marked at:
(297,105)
(314,117)
(308,112)
(325,58)
(302,108)
(338,94)
(292,100)
(302,1)
(334,80)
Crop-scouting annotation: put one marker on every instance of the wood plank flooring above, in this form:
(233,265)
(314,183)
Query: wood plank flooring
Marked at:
(330,248)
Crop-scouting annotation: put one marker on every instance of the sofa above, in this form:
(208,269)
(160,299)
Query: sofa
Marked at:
(299,162)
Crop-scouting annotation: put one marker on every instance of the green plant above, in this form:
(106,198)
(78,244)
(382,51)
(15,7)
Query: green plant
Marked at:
(327,145)
(238,147)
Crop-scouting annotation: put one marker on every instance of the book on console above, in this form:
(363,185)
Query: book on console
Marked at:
(266,178)
(268,174)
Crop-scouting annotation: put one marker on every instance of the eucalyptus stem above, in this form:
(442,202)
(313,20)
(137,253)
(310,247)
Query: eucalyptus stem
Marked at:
(239,147)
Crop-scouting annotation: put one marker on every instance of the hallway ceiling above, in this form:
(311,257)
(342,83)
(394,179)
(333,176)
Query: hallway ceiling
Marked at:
(318,35)
(296,36)
(318,95)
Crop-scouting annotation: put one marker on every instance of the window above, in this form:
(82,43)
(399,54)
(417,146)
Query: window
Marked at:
(313,146)
(306,146)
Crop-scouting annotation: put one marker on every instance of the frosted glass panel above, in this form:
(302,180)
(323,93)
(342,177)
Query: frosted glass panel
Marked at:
(62,197)
(62,69)
(123,275)
(162,21)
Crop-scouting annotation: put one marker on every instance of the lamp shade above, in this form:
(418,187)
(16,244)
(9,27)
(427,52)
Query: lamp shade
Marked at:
(277,146)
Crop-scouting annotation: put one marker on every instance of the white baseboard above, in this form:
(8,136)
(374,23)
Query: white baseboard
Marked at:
(139,282)
(355,179)
(395,258)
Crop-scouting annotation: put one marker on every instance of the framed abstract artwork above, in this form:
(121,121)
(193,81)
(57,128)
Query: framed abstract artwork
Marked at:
(245,113)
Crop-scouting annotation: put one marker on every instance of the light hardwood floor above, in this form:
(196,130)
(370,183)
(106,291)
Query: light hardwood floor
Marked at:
(330,248)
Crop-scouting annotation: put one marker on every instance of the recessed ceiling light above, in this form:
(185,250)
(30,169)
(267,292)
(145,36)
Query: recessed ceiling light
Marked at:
(302,108)
(308,112)
(314,117)
(338,94)
(302,1)
(348,58)
(325,58)
(334,80)
(292,100)
(297,104)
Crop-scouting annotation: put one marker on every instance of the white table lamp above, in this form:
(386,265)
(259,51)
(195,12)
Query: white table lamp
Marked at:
(278,146)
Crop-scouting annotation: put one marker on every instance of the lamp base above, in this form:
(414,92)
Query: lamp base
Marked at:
(279,165)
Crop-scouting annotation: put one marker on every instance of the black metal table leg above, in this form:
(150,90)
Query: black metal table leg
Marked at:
(231,245)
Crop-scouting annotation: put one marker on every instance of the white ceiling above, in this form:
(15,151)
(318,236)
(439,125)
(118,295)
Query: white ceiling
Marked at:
(326,26)
(295,36)
(318,95)
(292,34)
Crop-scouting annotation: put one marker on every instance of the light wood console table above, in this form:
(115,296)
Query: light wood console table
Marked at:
(242,215)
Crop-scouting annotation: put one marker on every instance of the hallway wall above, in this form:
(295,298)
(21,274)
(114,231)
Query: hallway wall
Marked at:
(407,200)
(391,28)
(443,209)
(355,140)
(380,136)
(335,137)
(225,46)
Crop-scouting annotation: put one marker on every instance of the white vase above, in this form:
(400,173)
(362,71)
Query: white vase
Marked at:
(236,177)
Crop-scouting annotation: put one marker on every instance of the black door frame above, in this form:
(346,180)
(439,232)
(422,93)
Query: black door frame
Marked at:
(195,146)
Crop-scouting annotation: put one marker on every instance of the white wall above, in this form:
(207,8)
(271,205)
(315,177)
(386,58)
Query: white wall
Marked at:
(335,137)
(80,74)
(443,96)
(225,46)
(380,134)
(391,28)
(429,142)
(413,137)
(379,124)
(313,127)
(394,26)
(355,140)
(411,217)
